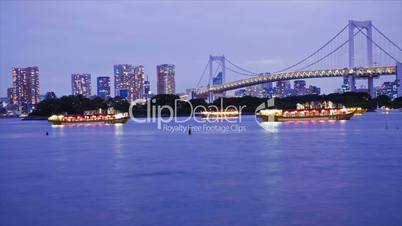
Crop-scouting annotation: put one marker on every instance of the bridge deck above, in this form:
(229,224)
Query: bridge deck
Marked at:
(267,77)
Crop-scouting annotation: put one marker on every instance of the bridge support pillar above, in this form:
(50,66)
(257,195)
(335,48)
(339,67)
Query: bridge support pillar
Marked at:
(370,86)
(352,83)
(353,24)
(399,78)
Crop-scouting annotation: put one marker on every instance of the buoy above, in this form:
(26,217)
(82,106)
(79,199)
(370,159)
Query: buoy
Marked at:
(189,130)
(47,134)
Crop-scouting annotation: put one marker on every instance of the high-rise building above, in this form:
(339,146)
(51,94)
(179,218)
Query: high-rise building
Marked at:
(269,90)
(123,93)
(81,84)
(389,89)
(267,85)
(103,86)
(256,91)
(147,89)
(122,74)
(129,81)
(283,89)
(10,94)
(299,87)
(313,90)
(240,93)
(136,83)
(166,79)
(25,91)
(345,85)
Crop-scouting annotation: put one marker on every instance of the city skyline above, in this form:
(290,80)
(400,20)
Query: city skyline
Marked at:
(264,48)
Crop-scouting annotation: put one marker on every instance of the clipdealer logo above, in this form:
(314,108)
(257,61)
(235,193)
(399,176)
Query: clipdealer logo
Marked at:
(165,117)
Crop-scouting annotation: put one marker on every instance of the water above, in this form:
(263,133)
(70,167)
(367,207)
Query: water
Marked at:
(323,173)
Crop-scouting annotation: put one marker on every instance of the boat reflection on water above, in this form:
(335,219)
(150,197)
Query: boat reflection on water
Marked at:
(118,129)
(314,122)
(57,126)
(272,127)
(116,125)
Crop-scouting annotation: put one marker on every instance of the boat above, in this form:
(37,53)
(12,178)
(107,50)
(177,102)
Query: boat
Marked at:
(358,110)
(220,114)
(277,115)
(384,109)
(112,118)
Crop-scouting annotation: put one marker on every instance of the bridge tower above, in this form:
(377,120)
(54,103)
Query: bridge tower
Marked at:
(399,78)
(366,25)
(221,62)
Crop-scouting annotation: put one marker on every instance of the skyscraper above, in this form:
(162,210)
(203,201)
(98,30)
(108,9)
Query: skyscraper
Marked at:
(255,91)
(240,93)
(389,89)
(147,89)
(269,90)
(10,94)
(25,92)
(129,81)
(122,74)
(166,79)
(300,87)
(103,86)
(283,88)
(313,90)
(81,84)
(136,83)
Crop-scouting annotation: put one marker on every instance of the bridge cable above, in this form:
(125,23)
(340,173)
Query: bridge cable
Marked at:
(202,75)
(322,47)
(213,76)
(240,73)
(238,67)
(237,72)
(371,40)
(330,53)
(389,40)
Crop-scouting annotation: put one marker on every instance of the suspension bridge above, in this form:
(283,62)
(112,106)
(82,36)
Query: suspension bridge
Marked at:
(336,58)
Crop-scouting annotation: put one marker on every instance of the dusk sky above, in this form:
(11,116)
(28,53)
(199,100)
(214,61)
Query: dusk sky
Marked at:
(89,36)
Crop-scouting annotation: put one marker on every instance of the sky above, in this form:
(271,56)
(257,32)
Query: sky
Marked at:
(66,37)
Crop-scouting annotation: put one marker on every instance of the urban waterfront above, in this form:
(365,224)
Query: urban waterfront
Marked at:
(301,173)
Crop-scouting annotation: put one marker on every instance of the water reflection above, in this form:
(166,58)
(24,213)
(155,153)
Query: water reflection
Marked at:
(122,172)
(118,129)
(272,127)
(118,141)
(59,129)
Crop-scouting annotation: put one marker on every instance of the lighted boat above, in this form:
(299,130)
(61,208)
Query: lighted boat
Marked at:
(276,115)
(384,109)
(89,118)
(220,114)
(358,110)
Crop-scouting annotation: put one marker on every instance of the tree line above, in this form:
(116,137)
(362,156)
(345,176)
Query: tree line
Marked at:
(78,104)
